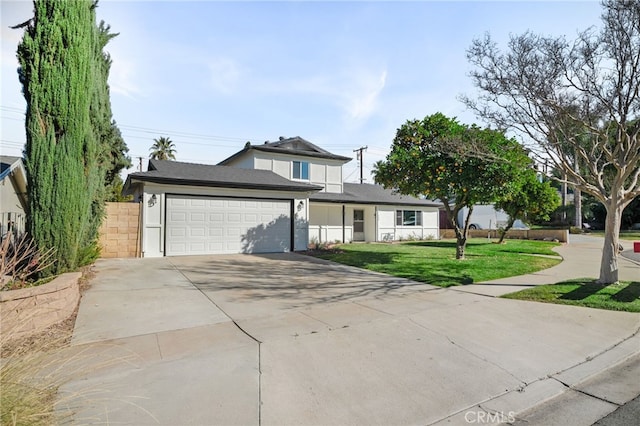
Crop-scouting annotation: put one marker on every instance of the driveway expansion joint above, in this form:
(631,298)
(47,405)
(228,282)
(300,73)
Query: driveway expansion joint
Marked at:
(524,384)
(602,352)
(245,332)
(576,389)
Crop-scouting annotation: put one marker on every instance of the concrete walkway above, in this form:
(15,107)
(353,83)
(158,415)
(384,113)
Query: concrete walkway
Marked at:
(581,259)
(287,339)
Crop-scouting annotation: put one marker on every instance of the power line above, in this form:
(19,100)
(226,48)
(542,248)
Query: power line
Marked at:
(178,133)
(12,109)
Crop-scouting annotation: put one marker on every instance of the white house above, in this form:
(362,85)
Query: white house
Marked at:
(275,197)
(13,195)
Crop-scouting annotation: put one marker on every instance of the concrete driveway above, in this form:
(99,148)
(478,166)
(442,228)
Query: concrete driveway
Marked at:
(287,339)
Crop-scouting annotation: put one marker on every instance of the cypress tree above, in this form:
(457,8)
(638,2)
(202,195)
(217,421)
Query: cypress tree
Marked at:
(64,83)
(113,146)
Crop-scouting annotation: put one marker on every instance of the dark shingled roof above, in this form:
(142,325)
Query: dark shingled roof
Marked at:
(177,173)
(292,146)
(371,194)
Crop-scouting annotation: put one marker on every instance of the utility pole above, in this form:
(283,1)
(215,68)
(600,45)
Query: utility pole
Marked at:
(360,157)
(140,163)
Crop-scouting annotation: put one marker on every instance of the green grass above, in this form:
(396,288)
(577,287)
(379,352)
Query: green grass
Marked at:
(624,296)
(624,235)
(434,262)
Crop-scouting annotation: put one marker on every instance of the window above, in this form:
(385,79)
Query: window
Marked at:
(301,170)
(408,218)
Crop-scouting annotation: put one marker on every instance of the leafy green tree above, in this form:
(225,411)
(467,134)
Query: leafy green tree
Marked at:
(114,156)
(439,158)
(114,191)
(163,149)
(531,200)
(69,128)
(573,101)
(57,73)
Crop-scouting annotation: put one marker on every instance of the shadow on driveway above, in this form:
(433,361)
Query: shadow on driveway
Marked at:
(293,279)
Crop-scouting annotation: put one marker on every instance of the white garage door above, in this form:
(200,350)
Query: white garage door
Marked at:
(205,225)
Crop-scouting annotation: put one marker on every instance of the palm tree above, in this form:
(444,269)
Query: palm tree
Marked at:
(163,149)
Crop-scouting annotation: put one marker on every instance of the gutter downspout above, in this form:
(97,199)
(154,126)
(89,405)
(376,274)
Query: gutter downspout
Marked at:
(375,237)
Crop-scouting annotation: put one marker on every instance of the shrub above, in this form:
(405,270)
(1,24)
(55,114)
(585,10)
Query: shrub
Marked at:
(20,260)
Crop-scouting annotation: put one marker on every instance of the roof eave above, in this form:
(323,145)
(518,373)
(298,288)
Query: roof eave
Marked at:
(301,153)
(214,184)
(368,202)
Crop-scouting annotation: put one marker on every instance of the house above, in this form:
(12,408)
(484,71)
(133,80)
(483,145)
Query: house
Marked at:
(13,195)
(274,197)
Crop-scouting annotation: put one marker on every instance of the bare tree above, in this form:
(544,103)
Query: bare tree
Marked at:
(582,95)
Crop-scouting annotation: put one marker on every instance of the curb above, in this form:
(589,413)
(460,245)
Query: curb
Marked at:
(546,396)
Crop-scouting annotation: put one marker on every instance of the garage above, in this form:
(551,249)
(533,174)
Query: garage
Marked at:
(197,225)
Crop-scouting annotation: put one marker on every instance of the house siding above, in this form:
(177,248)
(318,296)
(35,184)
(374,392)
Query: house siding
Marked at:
(322,172)
(244,163)
(388,230)
(153,230)
(325,223)
(11,208)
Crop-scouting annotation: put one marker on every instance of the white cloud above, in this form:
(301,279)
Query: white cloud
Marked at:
(362,101)
(354,92)
(122,78)
(225,74)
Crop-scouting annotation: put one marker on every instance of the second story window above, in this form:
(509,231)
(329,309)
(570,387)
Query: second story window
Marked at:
(301,170)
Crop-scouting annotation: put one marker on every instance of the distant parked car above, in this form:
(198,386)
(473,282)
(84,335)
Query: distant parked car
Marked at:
(595,226)
(517,225)
(635,227)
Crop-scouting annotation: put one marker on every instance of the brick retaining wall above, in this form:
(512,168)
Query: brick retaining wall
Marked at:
(120,230)
(27,311)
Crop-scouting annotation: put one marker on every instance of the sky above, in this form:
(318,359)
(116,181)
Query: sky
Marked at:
(212,75)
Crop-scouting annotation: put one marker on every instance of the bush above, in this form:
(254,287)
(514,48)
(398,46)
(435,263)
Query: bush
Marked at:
(20,260)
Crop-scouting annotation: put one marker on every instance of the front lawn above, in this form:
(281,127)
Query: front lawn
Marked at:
(624,235)
(624,296)
(434,262)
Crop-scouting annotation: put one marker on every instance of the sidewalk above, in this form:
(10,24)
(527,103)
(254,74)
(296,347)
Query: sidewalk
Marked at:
(581,258)
(610,397)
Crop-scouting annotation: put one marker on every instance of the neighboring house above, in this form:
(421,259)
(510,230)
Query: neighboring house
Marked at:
(13,195)
(275,197)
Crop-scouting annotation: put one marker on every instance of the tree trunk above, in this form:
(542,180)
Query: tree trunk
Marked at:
(462,233)
(577,200)
(609,263)
(506,229)
(460,230)
(461,243)
(577,194)
(564,198)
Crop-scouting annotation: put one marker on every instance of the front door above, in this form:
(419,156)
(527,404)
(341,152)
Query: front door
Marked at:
(358,225)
